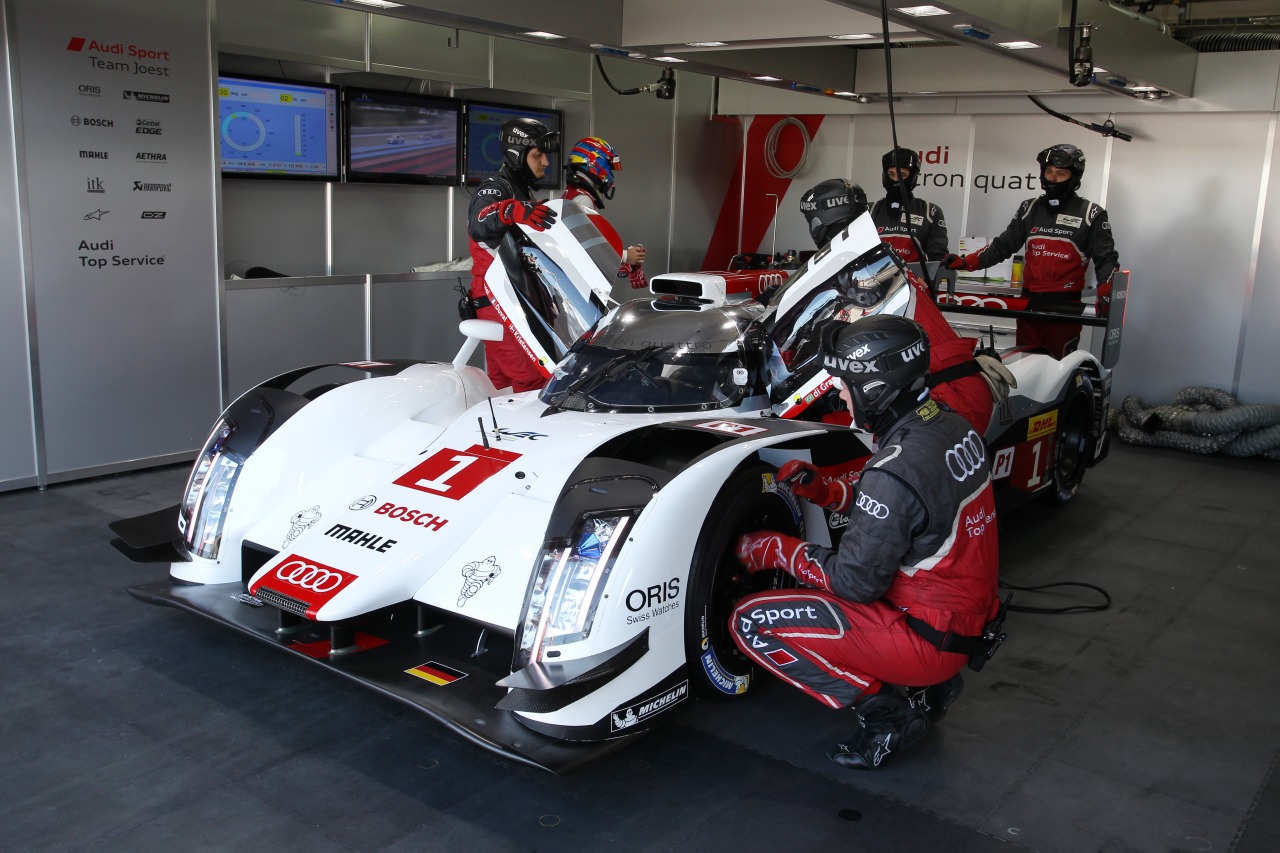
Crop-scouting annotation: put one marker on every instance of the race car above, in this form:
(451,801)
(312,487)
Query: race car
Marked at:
(549,573)
(396,139)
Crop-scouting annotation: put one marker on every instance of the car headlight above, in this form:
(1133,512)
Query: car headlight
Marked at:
(566,588)
(204,504)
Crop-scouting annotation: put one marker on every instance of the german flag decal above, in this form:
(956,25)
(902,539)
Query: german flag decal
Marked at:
(436,673)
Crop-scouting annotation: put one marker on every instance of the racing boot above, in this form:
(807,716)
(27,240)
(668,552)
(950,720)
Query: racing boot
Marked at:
(888,724)
(937,698)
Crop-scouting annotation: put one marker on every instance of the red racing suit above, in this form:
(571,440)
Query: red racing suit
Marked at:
(926,223)
(921,540)
(632,272)
(1061,238)
(509,362)
(968,395)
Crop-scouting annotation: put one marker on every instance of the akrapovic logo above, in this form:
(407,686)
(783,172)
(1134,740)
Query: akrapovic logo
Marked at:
(146,187)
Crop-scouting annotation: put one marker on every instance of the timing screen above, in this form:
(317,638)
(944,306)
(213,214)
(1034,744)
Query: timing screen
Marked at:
(269,127)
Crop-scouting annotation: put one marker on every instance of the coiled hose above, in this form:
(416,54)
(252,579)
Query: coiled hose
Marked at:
(1201,420)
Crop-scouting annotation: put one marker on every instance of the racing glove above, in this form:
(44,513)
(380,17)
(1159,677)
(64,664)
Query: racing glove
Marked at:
(830,493)
(997,376)
(768,549)
(967,262)
(536,215)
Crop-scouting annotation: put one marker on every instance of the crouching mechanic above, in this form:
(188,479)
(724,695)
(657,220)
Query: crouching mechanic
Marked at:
(500,204)
(916,568)
(970,384)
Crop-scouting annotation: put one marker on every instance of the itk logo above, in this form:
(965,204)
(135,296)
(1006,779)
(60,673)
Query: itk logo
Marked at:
(95,185)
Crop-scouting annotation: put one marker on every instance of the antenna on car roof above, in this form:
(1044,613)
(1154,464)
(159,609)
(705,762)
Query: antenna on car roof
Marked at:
(483,435)
(497,436)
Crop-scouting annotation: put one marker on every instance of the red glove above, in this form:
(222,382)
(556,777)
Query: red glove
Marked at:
(537,215)
(967,262)
(807,482)
(768,549)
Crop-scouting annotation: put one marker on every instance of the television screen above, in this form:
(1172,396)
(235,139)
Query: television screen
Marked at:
(484,145)
(402,137)
(278,128)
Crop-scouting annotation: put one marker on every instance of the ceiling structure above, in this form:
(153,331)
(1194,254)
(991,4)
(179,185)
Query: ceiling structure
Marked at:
(1140,48)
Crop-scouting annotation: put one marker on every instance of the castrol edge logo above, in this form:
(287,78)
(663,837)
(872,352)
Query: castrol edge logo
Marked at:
(306,580)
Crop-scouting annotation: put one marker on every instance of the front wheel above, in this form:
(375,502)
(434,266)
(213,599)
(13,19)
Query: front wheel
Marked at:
(749,501)
(1073,447)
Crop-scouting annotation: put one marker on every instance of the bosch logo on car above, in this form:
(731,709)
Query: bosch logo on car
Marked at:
(416,517)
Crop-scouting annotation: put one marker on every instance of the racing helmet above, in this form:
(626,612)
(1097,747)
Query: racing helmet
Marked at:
(884,362)
(900,158)
(830,206)
(518,136)
(1064,156)
(591,165)
(867,280)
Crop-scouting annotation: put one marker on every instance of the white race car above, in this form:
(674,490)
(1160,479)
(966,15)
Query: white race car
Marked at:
(549,573)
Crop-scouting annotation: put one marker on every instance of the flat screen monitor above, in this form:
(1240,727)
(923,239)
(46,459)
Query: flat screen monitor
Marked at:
(402,137)
(484,145)
(278,128)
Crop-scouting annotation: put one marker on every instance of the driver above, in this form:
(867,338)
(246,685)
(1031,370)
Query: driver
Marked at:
(589,174)
(918,559)
(970,385)
(499,205)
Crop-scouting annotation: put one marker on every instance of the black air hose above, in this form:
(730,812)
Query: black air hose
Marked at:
(1201,420)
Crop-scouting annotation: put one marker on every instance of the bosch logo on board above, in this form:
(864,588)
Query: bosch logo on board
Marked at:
(92,121)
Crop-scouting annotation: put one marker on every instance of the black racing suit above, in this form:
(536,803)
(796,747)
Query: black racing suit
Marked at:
(927,224)
(1061,238)
(508,361)
(921,540)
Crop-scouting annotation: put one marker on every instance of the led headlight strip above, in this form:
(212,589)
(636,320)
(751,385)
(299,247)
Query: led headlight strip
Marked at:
(209,489)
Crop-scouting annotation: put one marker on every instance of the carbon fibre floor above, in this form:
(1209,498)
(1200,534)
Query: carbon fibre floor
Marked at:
(1152,726)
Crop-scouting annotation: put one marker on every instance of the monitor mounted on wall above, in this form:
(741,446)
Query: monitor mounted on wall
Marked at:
(484,145)
(402,137)
(278,129)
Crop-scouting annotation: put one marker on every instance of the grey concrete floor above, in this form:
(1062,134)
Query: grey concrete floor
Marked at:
(1152,726)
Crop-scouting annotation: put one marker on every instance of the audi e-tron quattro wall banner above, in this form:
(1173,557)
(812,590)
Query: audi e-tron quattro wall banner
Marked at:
(119,177)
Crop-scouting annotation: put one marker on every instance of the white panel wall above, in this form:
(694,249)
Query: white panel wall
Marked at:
(1260,328)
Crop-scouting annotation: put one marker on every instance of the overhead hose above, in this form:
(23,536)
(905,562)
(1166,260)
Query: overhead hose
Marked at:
(1201,420)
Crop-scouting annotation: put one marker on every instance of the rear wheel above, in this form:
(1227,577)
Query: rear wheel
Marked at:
(747,502)
(1073,447)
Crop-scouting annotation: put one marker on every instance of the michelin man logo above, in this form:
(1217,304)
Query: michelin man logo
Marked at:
(477,574)
(301,522)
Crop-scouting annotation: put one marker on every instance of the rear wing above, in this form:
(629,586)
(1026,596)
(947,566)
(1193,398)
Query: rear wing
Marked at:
(1108,312)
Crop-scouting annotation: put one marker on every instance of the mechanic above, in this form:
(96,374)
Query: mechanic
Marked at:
(499,205)
(969,384)
(1062,233)
(589,175)
(916,568)
(899,173)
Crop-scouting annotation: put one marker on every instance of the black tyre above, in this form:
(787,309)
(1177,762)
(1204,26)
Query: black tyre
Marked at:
(717,582)
(1074,445)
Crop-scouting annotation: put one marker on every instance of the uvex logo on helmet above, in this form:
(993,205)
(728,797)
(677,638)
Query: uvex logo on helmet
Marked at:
(848,365)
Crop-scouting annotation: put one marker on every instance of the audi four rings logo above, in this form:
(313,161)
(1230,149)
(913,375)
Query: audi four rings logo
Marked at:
(872,507)
(308,576)
(966,458)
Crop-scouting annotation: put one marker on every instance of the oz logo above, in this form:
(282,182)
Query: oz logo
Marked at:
(454,474)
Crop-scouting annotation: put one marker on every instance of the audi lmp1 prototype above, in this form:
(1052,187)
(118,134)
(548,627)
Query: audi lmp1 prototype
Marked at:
(550,573)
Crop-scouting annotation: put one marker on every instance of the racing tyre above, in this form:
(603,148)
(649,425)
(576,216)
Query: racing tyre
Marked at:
(1073,448)
(747,502)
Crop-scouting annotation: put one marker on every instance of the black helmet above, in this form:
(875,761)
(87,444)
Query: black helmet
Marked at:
(900,158)
(1064,156)
(869,279)
(521,134)
(884,362)
(830,206)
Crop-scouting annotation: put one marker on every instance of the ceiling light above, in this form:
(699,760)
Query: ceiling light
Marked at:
(637,55)
(847,94)
(669,59)
(539,34)
(922,11)
(1017,45)
(707,43)
(381,4)
(1097,70)
(1144,89)
(853,37)
(765,77)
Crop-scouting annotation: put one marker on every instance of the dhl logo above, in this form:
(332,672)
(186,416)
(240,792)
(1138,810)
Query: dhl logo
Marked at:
(1042,425)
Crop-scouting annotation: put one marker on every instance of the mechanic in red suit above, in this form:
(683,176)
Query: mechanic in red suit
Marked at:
(1062,233)
(500,204)
(969,385)
(926,225)
(916,568)
(589,174)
